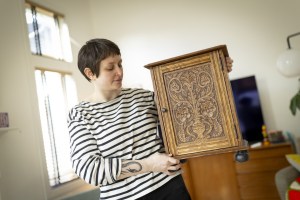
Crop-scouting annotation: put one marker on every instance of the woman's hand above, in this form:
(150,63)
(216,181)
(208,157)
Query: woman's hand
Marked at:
(229,62)
(161,162)
(158,162)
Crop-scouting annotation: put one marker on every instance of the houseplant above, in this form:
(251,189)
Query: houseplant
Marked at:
(295,102)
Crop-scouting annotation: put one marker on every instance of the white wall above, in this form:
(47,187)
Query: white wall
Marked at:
(254,31)
(22,163)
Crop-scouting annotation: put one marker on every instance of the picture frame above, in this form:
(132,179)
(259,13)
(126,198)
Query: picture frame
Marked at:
(4,121)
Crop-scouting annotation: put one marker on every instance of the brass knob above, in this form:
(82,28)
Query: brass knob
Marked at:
(164,110)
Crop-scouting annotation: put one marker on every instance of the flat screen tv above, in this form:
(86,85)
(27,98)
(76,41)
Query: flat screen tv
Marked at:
(248,107)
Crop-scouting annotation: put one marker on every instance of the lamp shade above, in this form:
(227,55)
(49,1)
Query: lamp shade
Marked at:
(288,63)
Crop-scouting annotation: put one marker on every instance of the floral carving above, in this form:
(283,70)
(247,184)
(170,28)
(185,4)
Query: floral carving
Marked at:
(195,112)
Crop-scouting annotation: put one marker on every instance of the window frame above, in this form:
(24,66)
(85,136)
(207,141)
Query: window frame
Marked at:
(60,29)
(77,185)
(63,76)
(65,188)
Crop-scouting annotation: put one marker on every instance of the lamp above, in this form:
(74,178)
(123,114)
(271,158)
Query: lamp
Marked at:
(288,64)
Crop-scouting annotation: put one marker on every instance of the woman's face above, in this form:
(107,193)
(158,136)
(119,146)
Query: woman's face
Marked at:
(111,73)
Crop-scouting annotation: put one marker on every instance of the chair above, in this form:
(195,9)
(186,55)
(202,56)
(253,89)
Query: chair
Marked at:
(285,176)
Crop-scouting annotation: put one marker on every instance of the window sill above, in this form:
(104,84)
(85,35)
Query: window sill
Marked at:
(81,191)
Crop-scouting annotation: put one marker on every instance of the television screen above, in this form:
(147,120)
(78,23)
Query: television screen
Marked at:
(248,107)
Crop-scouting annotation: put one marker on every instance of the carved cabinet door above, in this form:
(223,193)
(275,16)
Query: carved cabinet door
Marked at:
(195,103)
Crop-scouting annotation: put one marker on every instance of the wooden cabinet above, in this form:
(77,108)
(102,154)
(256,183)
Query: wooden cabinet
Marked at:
(195,104)
(199,123)
(211,177)
(220,177)
(256,176)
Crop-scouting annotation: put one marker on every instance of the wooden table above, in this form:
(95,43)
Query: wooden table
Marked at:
(221,177)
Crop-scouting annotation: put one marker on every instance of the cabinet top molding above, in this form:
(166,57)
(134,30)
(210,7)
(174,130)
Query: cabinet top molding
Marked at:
(161,62)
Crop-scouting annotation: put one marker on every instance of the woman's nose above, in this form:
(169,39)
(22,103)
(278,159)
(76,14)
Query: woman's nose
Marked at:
(119,71)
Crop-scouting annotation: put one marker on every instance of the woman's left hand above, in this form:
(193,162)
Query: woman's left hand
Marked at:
(229,62)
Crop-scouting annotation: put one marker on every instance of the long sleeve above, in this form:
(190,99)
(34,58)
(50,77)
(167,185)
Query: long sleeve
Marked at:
(87,161)
(105,133)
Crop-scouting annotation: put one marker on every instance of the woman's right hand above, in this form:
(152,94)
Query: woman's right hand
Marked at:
(161,162)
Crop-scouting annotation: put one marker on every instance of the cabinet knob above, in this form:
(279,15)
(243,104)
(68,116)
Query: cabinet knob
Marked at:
(164,110)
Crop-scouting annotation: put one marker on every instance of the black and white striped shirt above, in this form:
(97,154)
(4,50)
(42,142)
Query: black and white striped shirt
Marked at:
(104,134)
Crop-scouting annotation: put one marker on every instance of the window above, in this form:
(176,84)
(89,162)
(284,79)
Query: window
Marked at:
(49,37)
(56,95)
(48,33)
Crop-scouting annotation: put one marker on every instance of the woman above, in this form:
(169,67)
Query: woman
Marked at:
(114,133)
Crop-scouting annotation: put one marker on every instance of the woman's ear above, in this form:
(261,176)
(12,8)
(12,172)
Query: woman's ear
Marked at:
(88,72)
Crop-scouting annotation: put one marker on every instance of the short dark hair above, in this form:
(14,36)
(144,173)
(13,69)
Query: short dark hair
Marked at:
(93,52)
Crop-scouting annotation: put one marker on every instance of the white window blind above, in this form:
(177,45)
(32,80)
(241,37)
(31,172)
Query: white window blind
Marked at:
(56,94)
